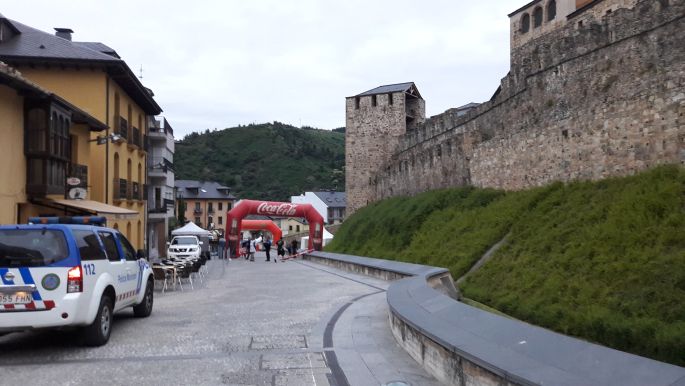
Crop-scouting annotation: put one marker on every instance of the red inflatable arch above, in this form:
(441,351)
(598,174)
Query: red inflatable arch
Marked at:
(258,225)
(277,209)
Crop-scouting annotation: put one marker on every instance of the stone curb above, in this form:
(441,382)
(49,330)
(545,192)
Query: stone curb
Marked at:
(460,344)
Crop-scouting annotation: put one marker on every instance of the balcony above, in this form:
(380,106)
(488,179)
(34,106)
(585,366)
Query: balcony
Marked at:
(120,189)
(197,211)
(157,134)
(135,139)
(158,167)
(136,192)
(122,130)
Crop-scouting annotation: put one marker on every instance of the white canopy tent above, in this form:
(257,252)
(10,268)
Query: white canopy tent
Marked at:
(327,237)
(191,229)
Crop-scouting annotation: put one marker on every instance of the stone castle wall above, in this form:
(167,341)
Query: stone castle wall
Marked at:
(602,96)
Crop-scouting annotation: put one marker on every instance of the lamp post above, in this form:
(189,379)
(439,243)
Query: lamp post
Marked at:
(105,140)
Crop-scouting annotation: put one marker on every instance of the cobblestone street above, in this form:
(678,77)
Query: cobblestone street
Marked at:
(249,323)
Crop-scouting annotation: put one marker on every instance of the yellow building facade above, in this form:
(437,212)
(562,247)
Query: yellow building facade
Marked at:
(12,161)
(93,78)
(44,139)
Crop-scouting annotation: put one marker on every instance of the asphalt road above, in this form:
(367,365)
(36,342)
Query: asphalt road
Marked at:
(249,323)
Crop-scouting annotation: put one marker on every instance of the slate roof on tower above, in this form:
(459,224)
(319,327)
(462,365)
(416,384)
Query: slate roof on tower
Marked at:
(408,87)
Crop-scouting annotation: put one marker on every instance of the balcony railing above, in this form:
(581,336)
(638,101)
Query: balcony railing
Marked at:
(197,210)
(123,128)
(136,192)
(120,189)
(135,137)
(159,163)
(157,209)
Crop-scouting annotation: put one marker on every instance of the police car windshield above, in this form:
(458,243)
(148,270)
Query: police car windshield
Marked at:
(31,247)
(184,241)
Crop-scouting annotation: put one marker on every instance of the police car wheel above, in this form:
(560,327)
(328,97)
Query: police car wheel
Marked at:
(144,309)
(98,332)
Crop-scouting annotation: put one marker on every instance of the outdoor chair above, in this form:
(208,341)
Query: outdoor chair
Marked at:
(163,275)
(196,269)
(185,273)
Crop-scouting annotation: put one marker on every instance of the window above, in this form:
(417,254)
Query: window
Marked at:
(356,103)
(221,207)
(221,220)
(89,246)
(537,17)
(36,130)
(129,251)
(210,220)
(197,220)
(551,10)
(390,99)
(110,246)
(297,228)
(290,227)
(525,23)
(210,208)
(31,248)
(197,206)
(374,101)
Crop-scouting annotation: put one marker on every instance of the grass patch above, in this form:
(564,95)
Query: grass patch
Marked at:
(604,261)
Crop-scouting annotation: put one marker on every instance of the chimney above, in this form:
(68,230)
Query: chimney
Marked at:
(64,33)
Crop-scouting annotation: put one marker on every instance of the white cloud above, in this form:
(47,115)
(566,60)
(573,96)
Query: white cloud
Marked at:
(216,64)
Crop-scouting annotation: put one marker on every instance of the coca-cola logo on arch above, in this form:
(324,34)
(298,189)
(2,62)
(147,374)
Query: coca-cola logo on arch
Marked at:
(276,209)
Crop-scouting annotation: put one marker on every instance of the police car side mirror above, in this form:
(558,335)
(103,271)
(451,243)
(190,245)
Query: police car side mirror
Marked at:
(201,242)
(140,254)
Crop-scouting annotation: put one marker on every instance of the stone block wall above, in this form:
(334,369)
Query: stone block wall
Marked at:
(601,98)
(372,133)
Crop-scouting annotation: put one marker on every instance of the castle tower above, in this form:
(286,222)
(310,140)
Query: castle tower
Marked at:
(375,120)
(540,17)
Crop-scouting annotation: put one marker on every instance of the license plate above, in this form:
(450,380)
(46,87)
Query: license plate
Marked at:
(16,298)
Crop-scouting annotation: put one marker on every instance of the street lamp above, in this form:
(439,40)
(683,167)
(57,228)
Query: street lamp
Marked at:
(102,139)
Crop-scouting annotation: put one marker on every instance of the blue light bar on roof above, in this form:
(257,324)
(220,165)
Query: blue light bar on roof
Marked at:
(83,220)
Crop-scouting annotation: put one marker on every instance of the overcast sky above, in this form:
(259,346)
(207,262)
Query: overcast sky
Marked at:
(218,64)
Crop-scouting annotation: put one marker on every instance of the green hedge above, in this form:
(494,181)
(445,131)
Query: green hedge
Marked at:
(604,261)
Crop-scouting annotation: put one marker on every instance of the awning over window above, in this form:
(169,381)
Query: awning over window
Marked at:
(99,208)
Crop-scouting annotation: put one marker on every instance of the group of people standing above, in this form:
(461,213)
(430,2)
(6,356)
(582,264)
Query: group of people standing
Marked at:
(250,246)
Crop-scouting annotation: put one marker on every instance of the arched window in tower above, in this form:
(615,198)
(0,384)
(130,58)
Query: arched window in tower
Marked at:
(537,17)
(525,23)
(551,10)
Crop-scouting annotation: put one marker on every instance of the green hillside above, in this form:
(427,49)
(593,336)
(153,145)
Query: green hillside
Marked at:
(604,261)
(270,161)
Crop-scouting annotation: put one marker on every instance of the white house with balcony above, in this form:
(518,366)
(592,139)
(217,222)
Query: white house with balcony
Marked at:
(160,177)
(331,205)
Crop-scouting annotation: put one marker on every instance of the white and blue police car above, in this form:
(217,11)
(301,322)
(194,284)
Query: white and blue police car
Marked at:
(60,272)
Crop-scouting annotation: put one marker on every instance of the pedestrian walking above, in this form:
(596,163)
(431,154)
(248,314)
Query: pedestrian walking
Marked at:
(267,247)
(252,248)
(245,248)
(293,247)
(280,250)
(222,248)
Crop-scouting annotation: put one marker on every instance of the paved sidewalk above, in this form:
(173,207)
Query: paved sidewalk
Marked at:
(249,323)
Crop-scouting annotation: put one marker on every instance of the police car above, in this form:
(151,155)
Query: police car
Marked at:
(70,272)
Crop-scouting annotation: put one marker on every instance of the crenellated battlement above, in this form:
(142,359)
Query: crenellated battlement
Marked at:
(600,96)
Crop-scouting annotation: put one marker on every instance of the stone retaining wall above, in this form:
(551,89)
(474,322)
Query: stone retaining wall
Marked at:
(462,345)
